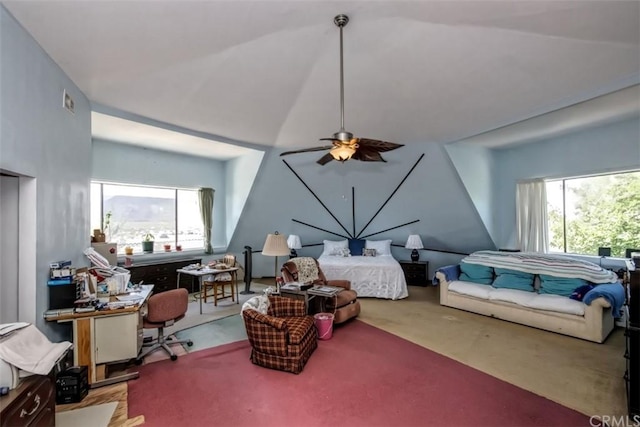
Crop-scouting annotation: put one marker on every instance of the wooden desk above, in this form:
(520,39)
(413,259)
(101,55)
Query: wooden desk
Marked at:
(210,271)
(100,337)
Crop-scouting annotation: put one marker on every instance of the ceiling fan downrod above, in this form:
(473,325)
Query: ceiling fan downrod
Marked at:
(344,136)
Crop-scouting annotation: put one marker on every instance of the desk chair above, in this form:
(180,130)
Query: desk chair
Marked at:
(164,309)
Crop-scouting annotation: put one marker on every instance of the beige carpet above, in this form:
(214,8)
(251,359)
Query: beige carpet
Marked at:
(582,375)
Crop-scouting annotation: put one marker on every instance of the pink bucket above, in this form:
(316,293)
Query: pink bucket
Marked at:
(324,324)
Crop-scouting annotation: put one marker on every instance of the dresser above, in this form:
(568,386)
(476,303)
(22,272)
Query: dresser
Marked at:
(31,404)
(163,274)
(415,273)
(632,334)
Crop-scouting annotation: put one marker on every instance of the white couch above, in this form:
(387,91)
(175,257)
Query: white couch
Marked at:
(530,308)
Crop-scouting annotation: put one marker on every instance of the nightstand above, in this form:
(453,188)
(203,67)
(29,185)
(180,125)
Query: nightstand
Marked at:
(415,273)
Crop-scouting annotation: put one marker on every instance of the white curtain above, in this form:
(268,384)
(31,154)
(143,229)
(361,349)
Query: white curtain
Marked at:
(531,216)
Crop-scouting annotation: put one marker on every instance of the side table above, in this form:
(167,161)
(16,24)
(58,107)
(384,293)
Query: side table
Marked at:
(298,294)
(415,273)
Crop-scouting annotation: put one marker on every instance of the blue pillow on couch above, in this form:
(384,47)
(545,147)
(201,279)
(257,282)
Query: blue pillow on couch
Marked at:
(513,279)
(476,273)
(560,285)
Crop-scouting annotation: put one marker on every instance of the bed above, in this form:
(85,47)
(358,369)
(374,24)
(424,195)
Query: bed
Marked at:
(378,276)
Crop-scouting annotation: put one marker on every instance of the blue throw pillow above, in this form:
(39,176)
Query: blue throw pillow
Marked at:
(560,285)
(476,273)
(356,246)
(513,279)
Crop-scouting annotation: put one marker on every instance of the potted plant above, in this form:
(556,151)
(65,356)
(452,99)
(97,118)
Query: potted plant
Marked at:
(167,247)
(147,243)
(128,250)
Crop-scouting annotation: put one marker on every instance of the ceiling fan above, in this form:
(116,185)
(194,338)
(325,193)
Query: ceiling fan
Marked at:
(344,145)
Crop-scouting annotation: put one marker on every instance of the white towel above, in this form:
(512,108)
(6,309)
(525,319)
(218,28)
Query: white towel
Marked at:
(30,350)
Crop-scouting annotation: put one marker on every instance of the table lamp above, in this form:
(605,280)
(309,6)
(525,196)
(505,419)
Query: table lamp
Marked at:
(293,242)
(275,245)
(414,242)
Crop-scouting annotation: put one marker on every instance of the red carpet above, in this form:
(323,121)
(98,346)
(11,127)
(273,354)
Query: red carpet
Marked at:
(363,376)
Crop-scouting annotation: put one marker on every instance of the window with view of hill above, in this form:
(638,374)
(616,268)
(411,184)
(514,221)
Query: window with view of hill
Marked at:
(127,213)
(591,212)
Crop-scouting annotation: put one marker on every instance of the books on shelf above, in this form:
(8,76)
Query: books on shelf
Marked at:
(60,281)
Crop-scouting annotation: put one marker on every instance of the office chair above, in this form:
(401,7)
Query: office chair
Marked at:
(164,309)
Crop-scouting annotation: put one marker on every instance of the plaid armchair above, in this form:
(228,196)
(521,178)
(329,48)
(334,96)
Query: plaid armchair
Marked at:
(282,339)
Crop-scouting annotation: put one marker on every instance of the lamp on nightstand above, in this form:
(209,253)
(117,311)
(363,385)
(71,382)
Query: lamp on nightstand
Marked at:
(294,243)
(414,242)
(275,245)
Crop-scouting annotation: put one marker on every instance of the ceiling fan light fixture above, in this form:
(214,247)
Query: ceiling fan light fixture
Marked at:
(342,152)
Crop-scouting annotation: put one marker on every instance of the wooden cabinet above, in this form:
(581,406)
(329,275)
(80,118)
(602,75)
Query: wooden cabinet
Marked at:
(31,404)
(415,273)
(162,274)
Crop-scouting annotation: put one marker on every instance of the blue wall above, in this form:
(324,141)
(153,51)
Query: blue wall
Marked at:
(433,194)
(141,166)
(40,139)
(612,147)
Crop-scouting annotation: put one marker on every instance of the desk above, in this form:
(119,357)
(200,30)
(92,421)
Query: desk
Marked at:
(210,271)
(105,336)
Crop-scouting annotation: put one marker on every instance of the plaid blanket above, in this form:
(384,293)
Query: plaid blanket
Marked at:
(537,263)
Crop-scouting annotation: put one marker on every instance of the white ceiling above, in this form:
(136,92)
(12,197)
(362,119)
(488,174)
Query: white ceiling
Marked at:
(267,72)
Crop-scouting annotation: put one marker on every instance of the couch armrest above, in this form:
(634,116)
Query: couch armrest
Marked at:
(600,302)
(254,316)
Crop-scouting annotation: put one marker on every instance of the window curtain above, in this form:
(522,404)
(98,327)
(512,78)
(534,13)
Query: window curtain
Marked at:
(205,199)
(531,216)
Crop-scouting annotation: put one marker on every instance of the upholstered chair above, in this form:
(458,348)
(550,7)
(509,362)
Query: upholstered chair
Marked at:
(284,337)
(164,309)
(344,305)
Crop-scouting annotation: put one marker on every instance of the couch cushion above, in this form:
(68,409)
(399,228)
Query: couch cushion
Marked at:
(469,288)
(559,285)
(514,296)
(512,279)
(556,303)
(476,273)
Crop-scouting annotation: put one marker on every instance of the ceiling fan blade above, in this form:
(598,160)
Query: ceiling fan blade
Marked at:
(325,159)
(378,145)
(307,150)
(365,154)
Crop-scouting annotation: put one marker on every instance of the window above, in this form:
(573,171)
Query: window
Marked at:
(591,212)
(127,213)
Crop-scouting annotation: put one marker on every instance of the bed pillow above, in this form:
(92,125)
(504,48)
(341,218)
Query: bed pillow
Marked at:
(356,246)
(560,285)
(382,247)
(513,279)
(331,247)
(368,252)
(476,273)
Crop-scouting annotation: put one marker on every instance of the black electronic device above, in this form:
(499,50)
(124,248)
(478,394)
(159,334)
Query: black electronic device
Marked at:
(604,251)
(64,296)
(72,385)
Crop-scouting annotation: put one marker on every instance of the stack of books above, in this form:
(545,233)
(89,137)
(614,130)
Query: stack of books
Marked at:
(49,314)
(325,291)
(61,273)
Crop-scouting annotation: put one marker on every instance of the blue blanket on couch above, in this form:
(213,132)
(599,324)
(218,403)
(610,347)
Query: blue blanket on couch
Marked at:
(451,273)
(612,292)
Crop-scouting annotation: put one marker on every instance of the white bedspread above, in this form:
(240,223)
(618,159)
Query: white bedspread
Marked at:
(30,350)
(379,277)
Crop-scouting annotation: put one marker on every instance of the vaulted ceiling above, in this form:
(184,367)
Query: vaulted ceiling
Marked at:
(267,72)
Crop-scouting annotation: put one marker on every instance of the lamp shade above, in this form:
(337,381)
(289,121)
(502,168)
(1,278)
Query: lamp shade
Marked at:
(275,245)
(414,242)
(342,152)
(294,242)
